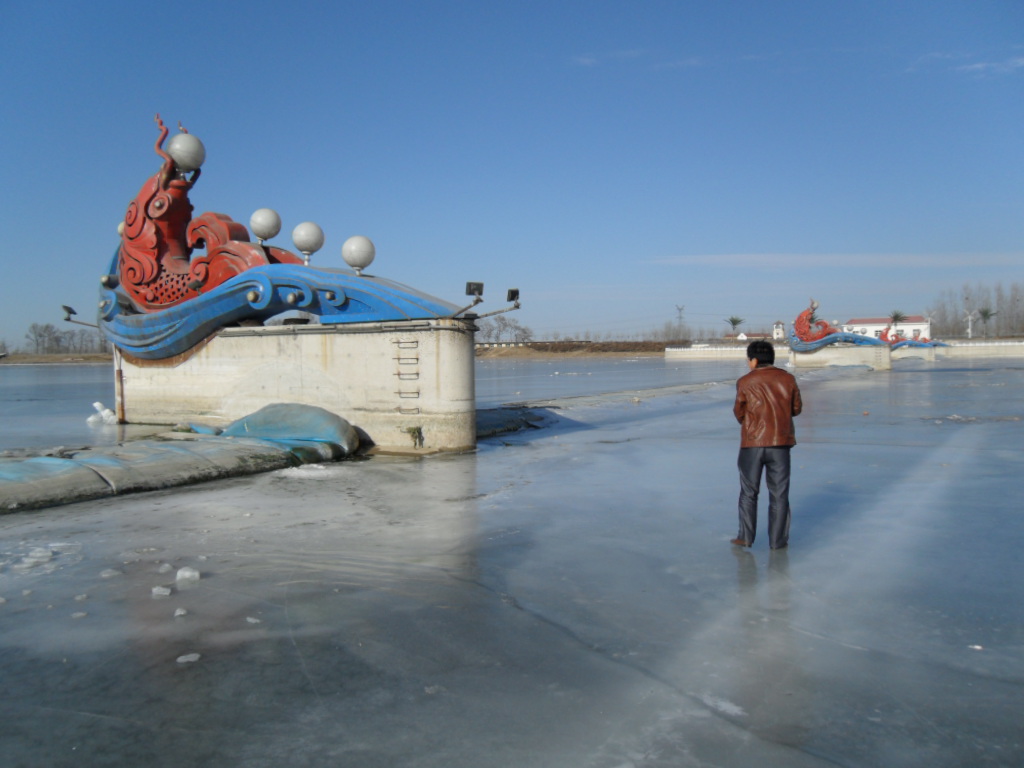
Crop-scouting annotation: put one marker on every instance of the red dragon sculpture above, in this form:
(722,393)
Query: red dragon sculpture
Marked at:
(807,328)
(158,236)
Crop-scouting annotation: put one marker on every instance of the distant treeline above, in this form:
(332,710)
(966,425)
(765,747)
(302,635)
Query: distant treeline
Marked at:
(50,340)
(993,311)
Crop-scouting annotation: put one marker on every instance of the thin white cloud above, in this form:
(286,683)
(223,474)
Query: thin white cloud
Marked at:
(634,53)
(638,55)
(826,261)
(936,61)
(687,63)
(1005,67)
(967,63)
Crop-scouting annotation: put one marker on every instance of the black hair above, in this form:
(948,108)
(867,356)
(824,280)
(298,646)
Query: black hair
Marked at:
(762,351)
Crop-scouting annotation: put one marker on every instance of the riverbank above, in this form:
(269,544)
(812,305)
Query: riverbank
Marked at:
(570,349)
(65,358)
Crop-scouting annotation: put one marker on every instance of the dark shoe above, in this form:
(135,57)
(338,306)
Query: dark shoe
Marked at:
(740,543)
(781,546)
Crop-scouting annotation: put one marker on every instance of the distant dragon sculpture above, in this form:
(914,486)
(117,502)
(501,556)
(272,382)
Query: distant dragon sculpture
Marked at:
(809,334)
(158,300)
(808,328)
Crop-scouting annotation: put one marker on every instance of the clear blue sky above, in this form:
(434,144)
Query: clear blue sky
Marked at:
(611,159)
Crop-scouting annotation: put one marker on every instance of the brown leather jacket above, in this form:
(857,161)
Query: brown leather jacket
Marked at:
(767,399)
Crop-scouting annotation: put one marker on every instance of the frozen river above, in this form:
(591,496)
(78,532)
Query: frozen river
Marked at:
(562,597)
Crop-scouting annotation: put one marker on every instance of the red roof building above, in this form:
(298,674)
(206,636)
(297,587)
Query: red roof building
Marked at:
(913,327)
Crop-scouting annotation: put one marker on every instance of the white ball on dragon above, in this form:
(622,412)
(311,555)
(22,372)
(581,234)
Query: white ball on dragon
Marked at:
(265,223)
(358,252)
(187,152)
(308,237)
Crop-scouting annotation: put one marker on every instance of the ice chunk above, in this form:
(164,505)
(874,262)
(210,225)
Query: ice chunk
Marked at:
(188,658)
(179,612)
(103,415)
(38,555)
(187,574)
(161,591)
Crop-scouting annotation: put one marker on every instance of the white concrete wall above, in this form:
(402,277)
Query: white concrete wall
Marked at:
(982,349)
(876,357)
(921,353)
(708,353)
(395,382)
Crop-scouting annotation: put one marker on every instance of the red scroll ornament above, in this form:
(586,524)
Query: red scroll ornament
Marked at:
(159,235)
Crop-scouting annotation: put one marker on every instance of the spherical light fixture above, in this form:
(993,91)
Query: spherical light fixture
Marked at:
(187,152)
(358,252)
(308,238)
(265,223)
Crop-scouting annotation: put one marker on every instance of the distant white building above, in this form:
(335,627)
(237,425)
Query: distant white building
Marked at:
(778,330)
(914,327)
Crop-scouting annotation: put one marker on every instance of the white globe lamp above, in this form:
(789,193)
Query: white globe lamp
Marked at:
(308,238)
(187,152)
(358,252)
(265,223)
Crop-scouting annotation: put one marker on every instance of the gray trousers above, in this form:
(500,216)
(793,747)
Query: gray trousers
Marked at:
(774,462)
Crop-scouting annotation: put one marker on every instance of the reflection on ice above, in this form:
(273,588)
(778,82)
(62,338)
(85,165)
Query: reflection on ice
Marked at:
(562,597)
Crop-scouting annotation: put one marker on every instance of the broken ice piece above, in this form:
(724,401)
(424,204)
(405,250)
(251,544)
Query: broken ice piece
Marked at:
(188,574)
(253,620)
(38,555)
(164,568)
(79,615)
(179,612)
(188,658)
(161,591)
(109,573)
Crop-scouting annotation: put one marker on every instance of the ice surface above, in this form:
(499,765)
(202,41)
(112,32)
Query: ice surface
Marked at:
(562,597)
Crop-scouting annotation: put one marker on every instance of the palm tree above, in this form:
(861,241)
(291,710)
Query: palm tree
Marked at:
(735,322)
(985,314)
(896,317)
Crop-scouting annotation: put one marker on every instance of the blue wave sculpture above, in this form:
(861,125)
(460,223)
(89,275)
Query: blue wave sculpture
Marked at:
(335,296)
(916,343)
(799,345)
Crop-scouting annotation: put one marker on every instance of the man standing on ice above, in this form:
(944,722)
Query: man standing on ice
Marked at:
(767,399)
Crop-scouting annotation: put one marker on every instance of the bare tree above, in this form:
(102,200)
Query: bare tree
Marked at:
(487,330)
(948,312)
(43,339)
(509,329)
